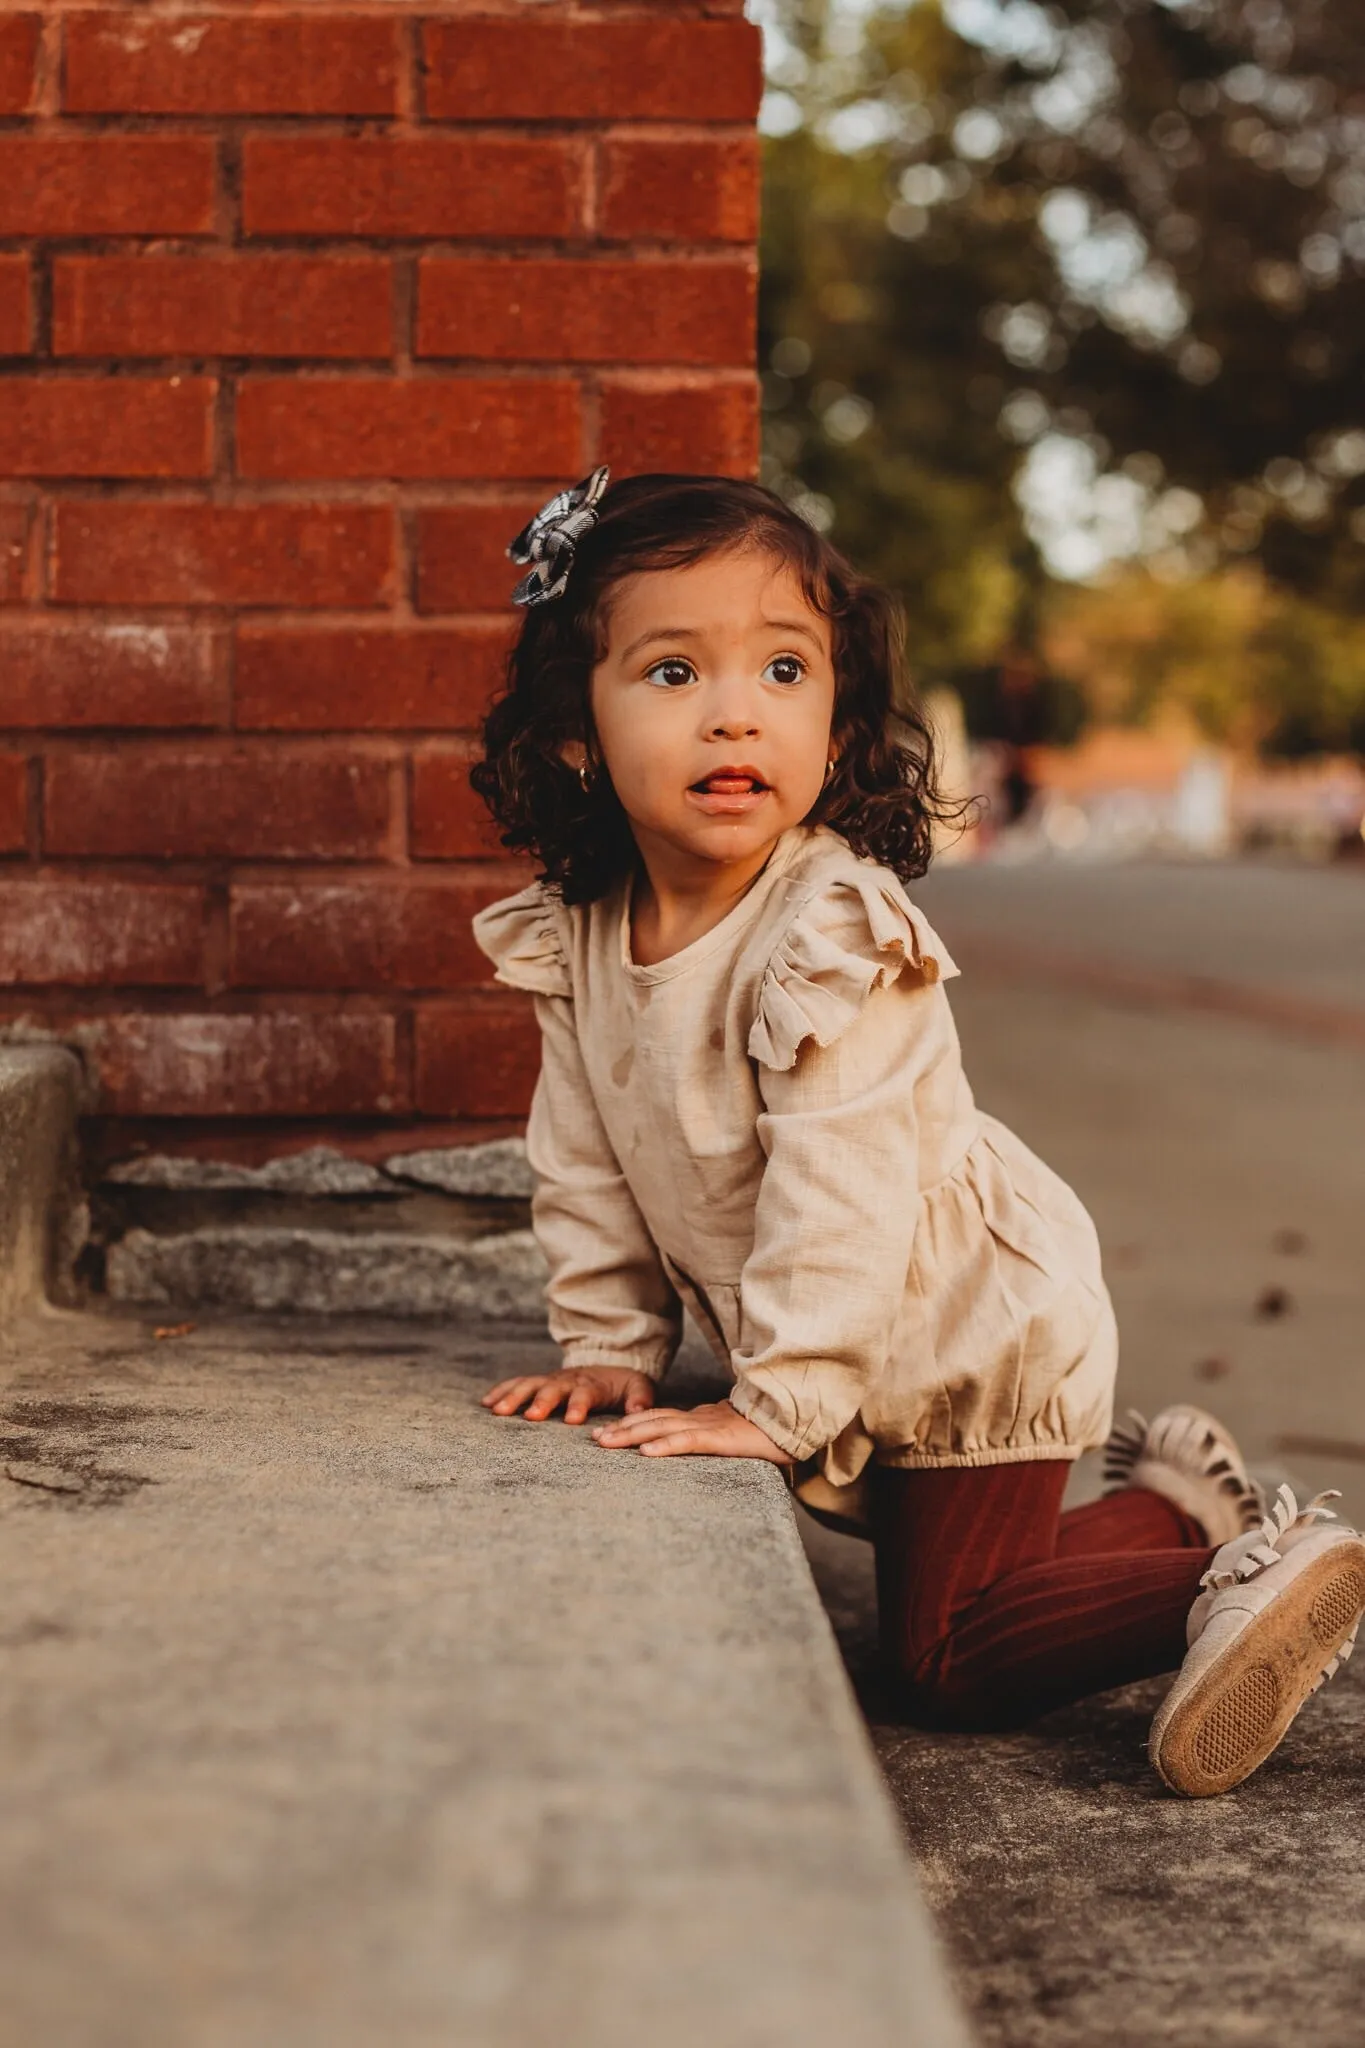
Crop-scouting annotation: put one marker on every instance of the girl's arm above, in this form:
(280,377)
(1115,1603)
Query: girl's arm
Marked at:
(850,1017)
(610,1303)
(612,1308)
(835,1219)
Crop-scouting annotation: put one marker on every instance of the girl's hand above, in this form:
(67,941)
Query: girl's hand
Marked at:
(580,1390)
(715,1430)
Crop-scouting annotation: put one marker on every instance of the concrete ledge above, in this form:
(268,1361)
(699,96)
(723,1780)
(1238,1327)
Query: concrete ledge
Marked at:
(345,1715)
(331,1272)
(39,1093)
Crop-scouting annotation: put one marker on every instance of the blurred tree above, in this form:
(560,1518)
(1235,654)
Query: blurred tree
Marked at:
(1248,663)
(1100,253)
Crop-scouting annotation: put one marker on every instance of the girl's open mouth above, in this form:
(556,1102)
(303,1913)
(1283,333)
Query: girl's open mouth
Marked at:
(729,795)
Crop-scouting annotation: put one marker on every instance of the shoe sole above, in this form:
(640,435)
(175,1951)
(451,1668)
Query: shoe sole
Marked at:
(1240,1708)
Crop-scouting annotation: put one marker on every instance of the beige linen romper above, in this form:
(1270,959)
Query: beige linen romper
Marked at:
(773,1126)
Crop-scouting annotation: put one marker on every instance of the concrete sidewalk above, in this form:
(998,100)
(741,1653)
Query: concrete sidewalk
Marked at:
(1279,939)
(1083,1904)
(337,1713)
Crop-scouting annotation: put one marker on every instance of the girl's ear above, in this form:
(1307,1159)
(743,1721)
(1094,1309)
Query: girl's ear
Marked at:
(574,755)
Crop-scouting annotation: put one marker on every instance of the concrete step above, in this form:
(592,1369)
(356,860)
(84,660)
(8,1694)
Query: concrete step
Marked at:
(338,1713)
(429,1233)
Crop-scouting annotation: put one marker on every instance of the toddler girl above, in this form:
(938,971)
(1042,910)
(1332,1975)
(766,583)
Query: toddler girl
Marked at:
(751,1101)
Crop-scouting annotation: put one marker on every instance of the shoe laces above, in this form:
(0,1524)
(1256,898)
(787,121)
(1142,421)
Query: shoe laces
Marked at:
(1247,1556)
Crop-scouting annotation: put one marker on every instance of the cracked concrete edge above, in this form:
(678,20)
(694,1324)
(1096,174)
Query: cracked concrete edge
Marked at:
(42,1214)
(332,1272)
(496,1170)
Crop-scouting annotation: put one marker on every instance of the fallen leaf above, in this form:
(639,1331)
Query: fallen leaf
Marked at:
(1212,1369)
(1274,1302)
(1292,1243)
(175,1329)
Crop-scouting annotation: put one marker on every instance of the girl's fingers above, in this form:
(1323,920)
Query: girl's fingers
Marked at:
(547,1400)
(678,1442)
(507,1398)
(638,1399)
(637,1429)
(580,1405)
(497,1393)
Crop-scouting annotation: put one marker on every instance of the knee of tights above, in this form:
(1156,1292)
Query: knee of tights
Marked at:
(936,1696)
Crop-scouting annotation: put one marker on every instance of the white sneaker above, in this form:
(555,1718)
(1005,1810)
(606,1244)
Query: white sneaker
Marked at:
(1277,1618)
(1189,1457)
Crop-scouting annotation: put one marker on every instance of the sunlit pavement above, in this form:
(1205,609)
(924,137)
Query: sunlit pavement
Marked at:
(1117,1018)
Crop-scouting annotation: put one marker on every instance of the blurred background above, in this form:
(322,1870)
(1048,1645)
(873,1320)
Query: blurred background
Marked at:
(1061,329)
(1061,336)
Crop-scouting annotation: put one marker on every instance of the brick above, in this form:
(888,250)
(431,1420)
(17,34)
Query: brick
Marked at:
(16,324)
(106,184)
(703,428)
(168,803)
(355,679)
(358,935)
(222,306)
(428,185)
(100,673)
(448,822)
(81,934)
(699,190)
(224,1064)
(557,310)
(13,803)
(15,524)
(106,426)
(19,35)
(389,427)
(483,69)
(479,1058)
(462,563)
(125,63)
(117,551)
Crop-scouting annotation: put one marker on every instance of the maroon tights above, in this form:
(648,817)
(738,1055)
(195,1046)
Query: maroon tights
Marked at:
(995,1606)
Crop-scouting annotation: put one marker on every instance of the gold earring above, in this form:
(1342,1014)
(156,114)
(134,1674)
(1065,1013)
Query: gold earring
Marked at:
(829,770)
(584,779)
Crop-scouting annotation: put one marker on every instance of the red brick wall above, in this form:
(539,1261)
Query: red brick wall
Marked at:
(300,313)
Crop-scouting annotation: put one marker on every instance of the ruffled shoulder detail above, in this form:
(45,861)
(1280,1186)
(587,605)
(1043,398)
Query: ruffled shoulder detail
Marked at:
(859,933)
(520,934)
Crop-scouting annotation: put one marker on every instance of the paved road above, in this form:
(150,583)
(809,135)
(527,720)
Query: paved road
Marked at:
(1286,937)
(1223,1156)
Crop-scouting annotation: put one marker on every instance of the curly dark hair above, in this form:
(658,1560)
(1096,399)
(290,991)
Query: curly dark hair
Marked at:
(883,797)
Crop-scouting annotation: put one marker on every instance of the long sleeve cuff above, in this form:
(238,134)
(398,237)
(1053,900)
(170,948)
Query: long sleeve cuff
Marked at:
(798,1442)
(653,1360)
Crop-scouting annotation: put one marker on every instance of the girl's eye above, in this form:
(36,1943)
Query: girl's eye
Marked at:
(671,673)
(785,668)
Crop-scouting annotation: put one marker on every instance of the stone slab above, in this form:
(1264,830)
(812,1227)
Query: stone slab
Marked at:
(331,1272)
(337,1713)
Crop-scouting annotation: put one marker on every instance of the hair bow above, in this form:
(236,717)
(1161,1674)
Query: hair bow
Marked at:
(549,540)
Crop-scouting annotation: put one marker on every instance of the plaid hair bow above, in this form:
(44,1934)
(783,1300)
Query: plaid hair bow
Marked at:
(549,540)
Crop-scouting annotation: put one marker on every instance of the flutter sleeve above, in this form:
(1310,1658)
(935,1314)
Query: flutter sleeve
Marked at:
(850,1016)
(608,1298)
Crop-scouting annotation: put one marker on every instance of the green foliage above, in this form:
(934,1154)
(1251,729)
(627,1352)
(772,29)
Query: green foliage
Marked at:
(1246,663)
(1135,224)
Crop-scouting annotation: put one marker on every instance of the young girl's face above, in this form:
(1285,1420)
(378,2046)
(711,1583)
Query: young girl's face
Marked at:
(719,666)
